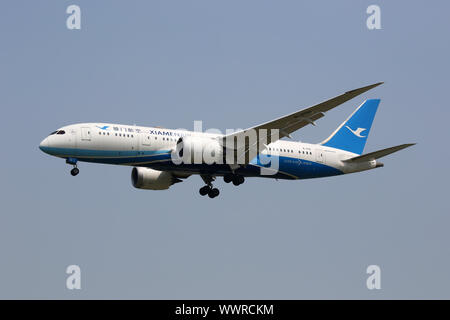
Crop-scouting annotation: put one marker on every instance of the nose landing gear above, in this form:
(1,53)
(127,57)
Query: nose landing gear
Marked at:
(75,169)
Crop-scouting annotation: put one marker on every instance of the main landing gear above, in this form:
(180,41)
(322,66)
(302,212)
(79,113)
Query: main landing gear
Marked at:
(208,189)
(75,169)
(212,192)
(235,178)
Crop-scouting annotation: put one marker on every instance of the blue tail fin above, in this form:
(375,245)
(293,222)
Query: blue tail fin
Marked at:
(352,134)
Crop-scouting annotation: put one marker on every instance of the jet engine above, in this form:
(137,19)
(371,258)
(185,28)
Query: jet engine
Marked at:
(150,179)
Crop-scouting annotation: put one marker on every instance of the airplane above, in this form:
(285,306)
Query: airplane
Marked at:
(155,153)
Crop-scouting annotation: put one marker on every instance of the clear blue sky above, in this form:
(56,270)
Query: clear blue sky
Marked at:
(231,64)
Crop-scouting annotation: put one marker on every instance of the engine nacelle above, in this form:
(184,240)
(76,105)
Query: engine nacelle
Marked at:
(150,179)
(198,150)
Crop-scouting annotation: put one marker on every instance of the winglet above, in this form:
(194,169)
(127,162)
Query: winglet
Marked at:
(364,89)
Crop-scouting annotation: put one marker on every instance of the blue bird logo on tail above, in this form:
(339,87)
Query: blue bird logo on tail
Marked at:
(357,132)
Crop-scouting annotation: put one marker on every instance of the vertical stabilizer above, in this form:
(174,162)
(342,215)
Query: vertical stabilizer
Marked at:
(352,134)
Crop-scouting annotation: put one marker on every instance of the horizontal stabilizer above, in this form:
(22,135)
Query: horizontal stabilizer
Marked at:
(378,154)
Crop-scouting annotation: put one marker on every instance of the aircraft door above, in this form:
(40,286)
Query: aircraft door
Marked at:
(146,140)
(320,156)
(85,134)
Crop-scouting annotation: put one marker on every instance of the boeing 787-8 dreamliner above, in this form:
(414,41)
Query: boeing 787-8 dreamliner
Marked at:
(163,157)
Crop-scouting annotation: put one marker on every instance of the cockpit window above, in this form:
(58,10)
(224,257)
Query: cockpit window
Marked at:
(57,132)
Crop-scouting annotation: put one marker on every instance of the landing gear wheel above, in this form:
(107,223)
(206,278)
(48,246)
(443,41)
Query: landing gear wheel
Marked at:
(228,178)
(204,190)
(214,192)
(237,180)
(74,171)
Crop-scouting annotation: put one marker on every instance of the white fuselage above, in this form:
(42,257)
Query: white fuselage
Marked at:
(151,147)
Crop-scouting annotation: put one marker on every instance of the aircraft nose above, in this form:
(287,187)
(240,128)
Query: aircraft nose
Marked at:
(44,145)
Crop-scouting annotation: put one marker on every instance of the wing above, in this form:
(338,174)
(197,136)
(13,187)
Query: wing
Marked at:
(244,145)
